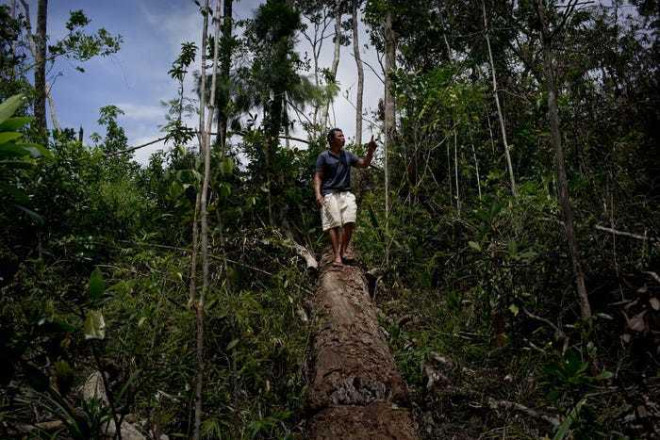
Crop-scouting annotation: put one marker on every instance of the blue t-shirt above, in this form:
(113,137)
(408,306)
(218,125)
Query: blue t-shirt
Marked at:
(336,170)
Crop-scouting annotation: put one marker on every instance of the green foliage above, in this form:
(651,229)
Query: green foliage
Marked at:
(80,46)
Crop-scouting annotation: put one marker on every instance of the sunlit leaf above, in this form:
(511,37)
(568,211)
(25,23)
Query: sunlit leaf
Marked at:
(13,124)
(9,136)
(9,107)
(94,325)
(514,309)
(474,245)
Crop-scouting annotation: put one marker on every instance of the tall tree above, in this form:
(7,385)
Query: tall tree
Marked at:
(272,37)
(389,117)
(205,122)
(40,68)
(336,54)
(76,45)
(555,136)
(496,95)
(226,50)
(360,72)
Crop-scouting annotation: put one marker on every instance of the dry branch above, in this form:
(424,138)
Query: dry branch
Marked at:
(505,404)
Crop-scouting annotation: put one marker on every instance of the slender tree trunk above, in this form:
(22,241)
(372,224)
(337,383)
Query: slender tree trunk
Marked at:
(476,166)
(449,177)
(225,67)
(553,115)
(14,69)
(360,72)
(335,63)
(205,192)
(193,255)
(390,65)
(458,193)
(51,107)
(199,313)
(497,103)
(40,68)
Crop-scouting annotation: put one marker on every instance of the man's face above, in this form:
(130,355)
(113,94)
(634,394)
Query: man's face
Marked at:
(339,138)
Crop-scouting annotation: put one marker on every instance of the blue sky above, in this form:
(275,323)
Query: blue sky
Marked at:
(136,80)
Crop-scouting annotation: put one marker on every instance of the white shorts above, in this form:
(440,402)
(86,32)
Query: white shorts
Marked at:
(338,209)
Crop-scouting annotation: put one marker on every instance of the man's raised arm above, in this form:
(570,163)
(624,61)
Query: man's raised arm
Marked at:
(364,162)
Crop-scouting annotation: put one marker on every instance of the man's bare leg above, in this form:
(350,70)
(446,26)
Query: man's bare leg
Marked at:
(336,240)
(346,238)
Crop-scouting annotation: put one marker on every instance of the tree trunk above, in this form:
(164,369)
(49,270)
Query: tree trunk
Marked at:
(192,287)
(225,67)
(355,391)
(40,68)
(564,201)
(458,193)
(14,69)
(390,65)
(51,107)
(360,72)
(335,63)
(199,306)
(497,103)
(476,166)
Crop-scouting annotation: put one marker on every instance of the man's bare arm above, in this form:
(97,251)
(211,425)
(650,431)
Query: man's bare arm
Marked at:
(318,178)
(364,162)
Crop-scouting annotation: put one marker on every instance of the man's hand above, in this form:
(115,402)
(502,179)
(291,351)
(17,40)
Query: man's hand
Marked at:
(319,201)
(372,144)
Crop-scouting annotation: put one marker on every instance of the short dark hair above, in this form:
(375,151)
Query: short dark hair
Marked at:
(331,134)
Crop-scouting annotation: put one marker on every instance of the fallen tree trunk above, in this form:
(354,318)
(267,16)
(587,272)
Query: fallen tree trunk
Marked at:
(355,391)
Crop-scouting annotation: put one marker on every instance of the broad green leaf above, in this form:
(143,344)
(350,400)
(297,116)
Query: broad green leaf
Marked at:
(474,245)
(604,375)
(13,150)
(16,194)
(96,285)
(39,220)
(94,325)
(225,189)
(564,429)
(226,166)
(36,150)
(9,136)
(232,344)
(9,107)
(13,124)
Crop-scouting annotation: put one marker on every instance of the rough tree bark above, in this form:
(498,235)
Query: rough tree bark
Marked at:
(225,67)
(390,65)
(355,391)
(34,49)
(40,68)
(360,72)
(555,135)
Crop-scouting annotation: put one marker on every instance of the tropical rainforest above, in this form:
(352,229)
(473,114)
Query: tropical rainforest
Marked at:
(508,227)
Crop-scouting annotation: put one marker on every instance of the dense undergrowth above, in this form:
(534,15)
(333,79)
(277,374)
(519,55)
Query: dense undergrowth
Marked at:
(476,289)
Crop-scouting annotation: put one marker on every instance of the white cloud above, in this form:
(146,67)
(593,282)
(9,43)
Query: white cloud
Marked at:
(142,112)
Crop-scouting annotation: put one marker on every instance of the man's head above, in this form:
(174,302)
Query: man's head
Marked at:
(336,138)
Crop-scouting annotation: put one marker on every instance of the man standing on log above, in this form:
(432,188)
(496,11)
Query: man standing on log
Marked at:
(332,186)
